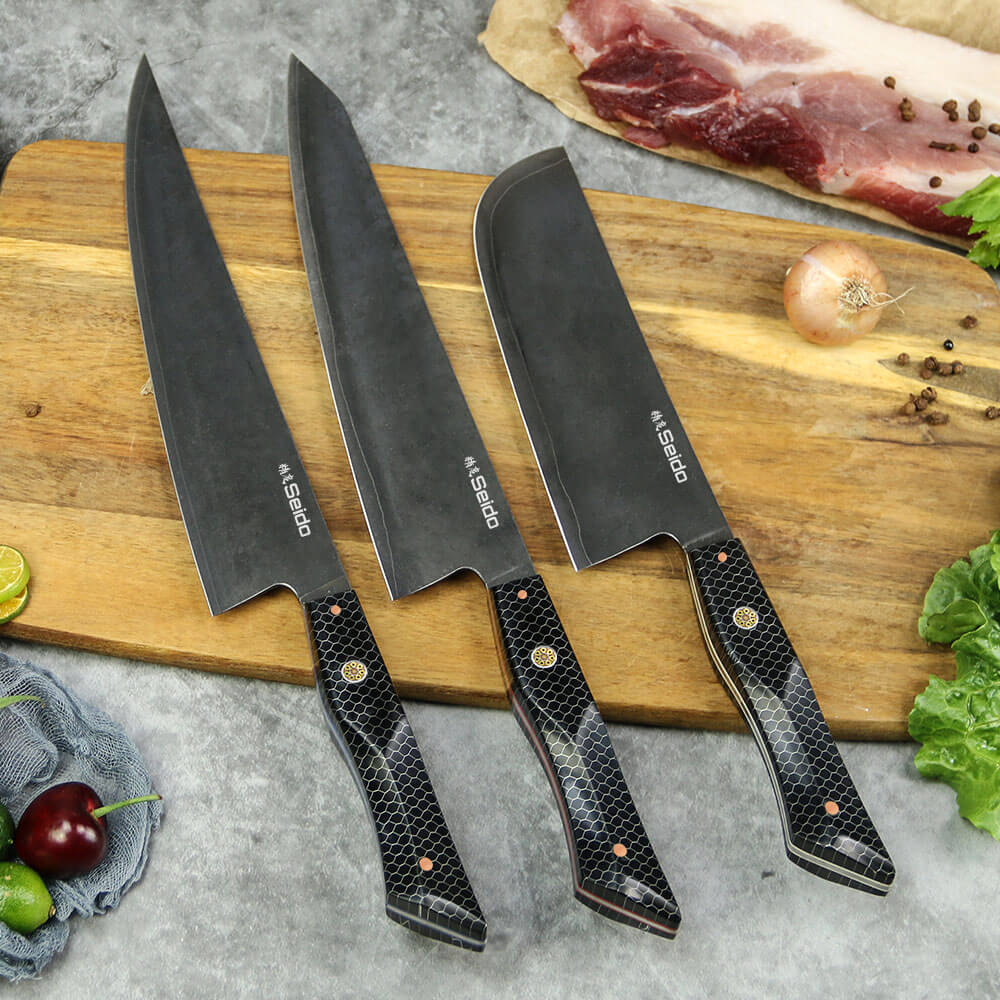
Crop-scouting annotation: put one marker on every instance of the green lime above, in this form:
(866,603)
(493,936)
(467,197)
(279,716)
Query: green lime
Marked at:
(13,572)
(13,607)
(6,833)
(25,903)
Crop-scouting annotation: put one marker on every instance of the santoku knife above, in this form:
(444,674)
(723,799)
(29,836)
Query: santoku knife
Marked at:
(253,521)
(619,470)
(432,499)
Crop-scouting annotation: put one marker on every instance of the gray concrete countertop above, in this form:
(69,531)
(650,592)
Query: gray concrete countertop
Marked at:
(263,879)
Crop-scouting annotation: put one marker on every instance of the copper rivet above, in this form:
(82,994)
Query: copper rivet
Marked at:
(831,807)
(722,557)
(522,594)
(335,609)
(426,864)
(620,850)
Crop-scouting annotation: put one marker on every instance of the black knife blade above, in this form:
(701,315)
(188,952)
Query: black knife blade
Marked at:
(433,501)
(253,520)
(619,470)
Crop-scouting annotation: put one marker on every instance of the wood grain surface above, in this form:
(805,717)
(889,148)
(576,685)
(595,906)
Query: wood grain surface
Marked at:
(846,507)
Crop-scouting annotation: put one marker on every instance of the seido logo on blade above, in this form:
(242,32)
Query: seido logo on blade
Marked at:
(478,483)
(666,438)
(299,514)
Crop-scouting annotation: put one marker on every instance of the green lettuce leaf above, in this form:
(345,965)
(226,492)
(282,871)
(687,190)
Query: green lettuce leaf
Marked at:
(963,596)
(981,204)
(958,722)
(986,251)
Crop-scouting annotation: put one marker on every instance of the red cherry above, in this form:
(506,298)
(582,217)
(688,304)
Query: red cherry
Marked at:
(62,834)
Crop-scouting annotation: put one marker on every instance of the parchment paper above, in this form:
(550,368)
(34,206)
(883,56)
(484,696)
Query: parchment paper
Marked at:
(971,22)
(521,37)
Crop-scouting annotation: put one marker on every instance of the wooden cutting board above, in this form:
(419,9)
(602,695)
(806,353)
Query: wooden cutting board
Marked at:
(846,507)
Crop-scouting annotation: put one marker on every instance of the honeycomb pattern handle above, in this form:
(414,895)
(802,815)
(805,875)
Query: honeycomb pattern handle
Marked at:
(614,868)
(426,886)
(827,830)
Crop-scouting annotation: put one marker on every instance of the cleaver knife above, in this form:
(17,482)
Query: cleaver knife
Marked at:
(432,500)
(253,521)
(620,470)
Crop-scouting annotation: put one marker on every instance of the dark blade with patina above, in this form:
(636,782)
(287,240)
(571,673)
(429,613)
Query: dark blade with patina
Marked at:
(433,502)
(225,434)
(253,521)
(620,469)
(628,454)
(411,447)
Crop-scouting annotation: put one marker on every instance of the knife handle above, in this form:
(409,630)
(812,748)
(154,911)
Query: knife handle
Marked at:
(426,886)
(826,828)
(615,870)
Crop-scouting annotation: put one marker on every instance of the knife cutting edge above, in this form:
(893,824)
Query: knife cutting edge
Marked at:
(619,470)
(432,500)
(253,520)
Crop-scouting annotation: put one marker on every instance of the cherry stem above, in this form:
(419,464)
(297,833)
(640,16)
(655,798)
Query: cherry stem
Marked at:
(104,810)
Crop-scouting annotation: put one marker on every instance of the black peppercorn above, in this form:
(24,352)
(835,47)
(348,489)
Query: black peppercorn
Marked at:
(948,344)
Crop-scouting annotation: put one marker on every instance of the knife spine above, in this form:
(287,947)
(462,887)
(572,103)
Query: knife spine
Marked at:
(307,243)
(486,280)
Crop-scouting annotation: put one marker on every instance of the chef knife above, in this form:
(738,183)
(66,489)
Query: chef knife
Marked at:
(253,521)
(619,470)
(433,502)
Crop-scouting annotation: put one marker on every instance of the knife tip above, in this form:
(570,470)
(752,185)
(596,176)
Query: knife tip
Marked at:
(143,69)
(298,70)
(144,76)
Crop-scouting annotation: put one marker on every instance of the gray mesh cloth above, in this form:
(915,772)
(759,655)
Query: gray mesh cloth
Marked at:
(68,740)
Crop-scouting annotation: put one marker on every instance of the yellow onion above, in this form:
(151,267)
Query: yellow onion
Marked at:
(834,293)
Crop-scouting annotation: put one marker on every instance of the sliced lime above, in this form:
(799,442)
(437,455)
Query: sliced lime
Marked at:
(13,572)
(12,607)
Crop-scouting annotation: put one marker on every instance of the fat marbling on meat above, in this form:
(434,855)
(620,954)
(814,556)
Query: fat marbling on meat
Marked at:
(798,86)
